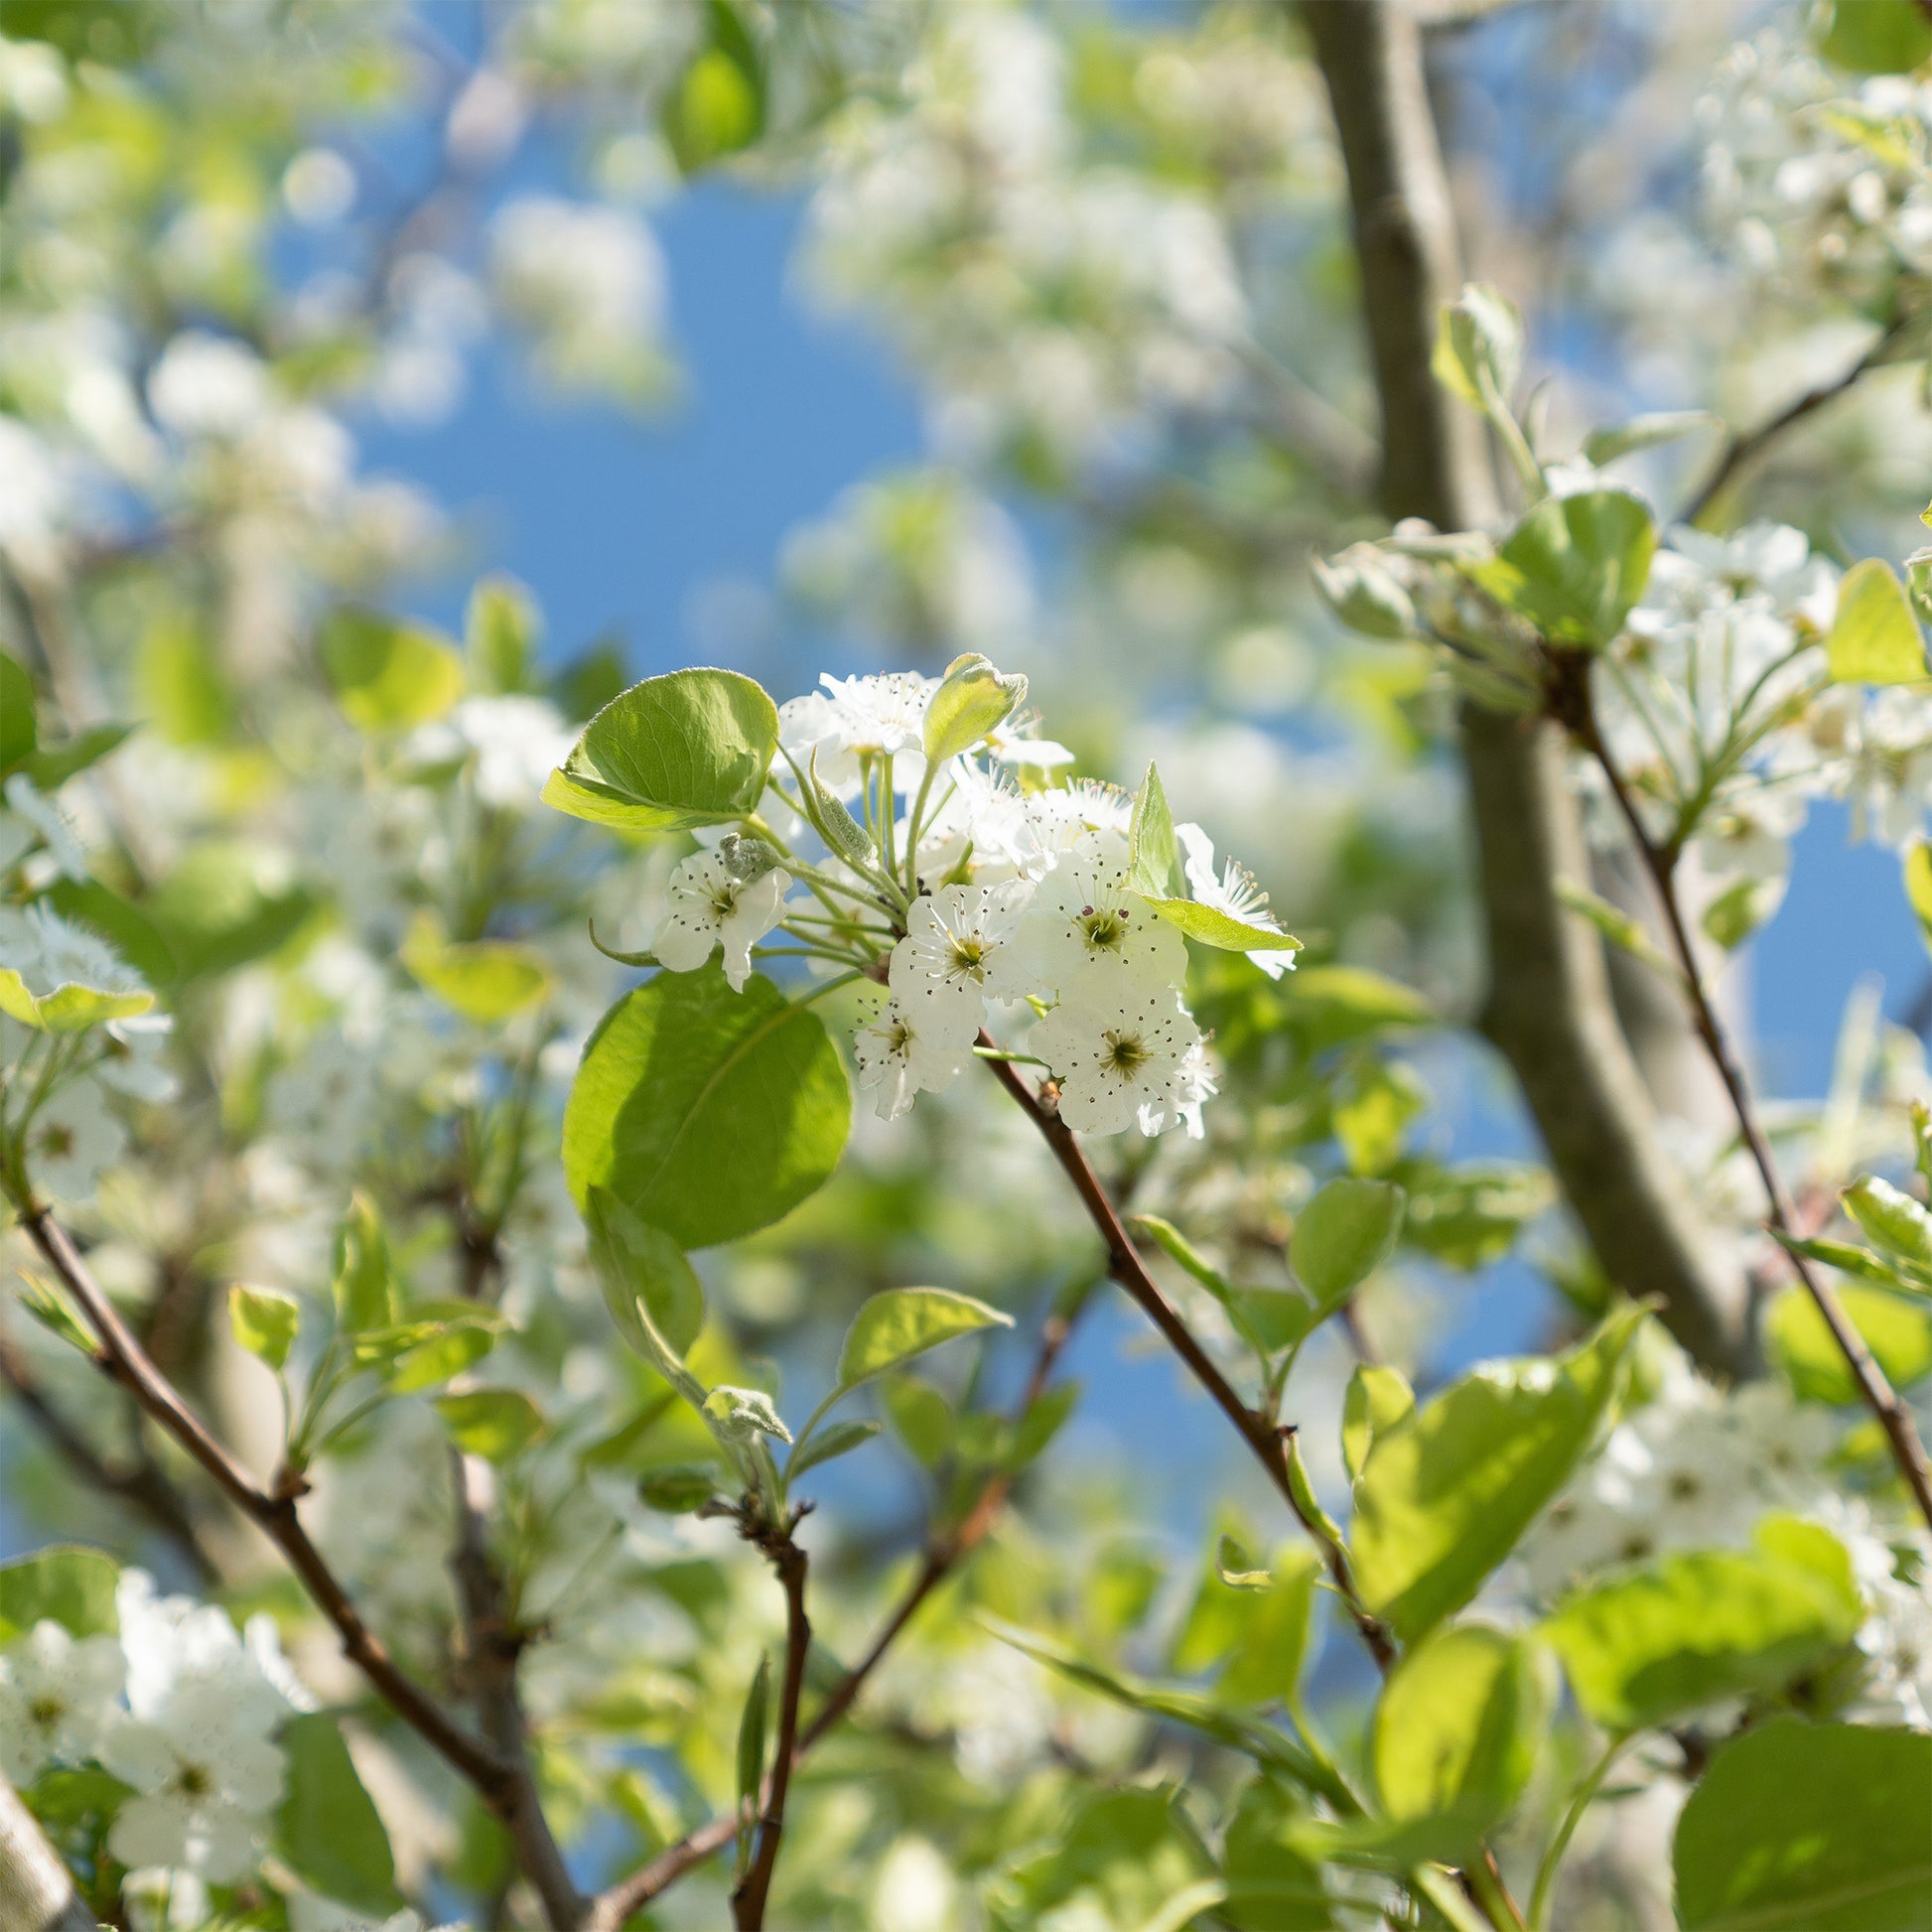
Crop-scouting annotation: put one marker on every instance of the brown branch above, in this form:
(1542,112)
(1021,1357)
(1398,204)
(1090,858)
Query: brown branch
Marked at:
(1549,1007)
(1743,451)
(750,1895)
(1661,863)
(142,1485)
(948,1552)
(274,1512)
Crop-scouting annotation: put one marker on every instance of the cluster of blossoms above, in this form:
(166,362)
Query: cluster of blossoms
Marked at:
(1696,1469)
(976,898)
(1809,180)
(178,1706)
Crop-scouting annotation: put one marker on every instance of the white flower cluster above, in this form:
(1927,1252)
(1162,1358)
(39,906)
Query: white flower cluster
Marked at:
(1053,302)
(1717,707)
(1812,181)
(181,1707)
(1696,1469)
(1016,901)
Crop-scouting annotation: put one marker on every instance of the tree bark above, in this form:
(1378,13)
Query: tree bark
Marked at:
(1549,1007)
(36,1893)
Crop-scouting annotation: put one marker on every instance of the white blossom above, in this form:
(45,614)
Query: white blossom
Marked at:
(712,907)
(1234,892)
(1123,1054)
(1085,921)
(901,1054)
(56,1693)
(957,953)
(853,720)
(25,800)
(69,1139)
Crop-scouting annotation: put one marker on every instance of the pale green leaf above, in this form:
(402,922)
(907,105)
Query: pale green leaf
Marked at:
(1346,1232)
(1897,1331)
(1575,565)
(636,1262)
(839,1439)
(496,1423)
(388,676)
(1376,1398)
(1153,853)
(901,1324)
(1874,637)
(1213,927)
(67,1585)
(264,1323)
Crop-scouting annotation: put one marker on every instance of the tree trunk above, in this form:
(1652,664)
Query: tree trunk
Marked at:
(36,1892)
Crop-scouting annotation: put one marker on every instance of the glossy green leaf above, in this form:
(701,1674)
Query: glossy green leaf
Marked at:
(672,753)
(1575,565)
(636,1262)
(1874,637)
(496,1423)
(901,1324)
(326,1830)
(1457,1730)
(1376,1398)
(67,1585)
(1446,1493)
(387,675)
(837,1438)
(363,1289)
(1876,35)
(264,1323)
(1152,852)
(1694,1629)
(1809,1827)
(1917,870)
(1346,1232)
(717,107)
(709,1113)
(1213,927)
(1897,1331)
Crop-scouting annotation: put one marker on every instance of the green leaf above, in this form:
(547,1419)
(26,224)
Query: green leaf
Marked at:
(902,1322)
(1694,1629)
(1446,1492)
(1255,1640)
(52,766)
(741,1415)
(1575,565)
(1377,1398)
(1125,1860)
(1471,1213)
(1877,35)
(838,1440)
(636,1262)
(920,1416)
(388,676)
(1478,353)
(1365,593)
(66,1584)
(1917,870)
(496,1423)
(1371,1110)
(973,698)
(1344,1003)
(1346,1232)
(750,1735)
(264,1323)
(840,830)
(1272,1885)
(1645,432)
(485,980)
(679,1487)
(18,731)
(1213,927)
(227,903)
(1874,639)
(1457,1730)
(709,1113)
(1892,1220)
(423,1354)
(718,106)
(327,1830)
(1153,853)
(1809,1827)
(1898,1333)
(67,1008)
(179,682)
(501,632)
(1239,1302)
(670,754)
(363,1292)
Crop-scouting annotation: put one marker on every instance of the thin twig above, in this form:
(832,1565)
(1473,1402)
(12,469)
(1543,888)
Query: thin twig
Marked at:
(790,1561)
(1745,450)
(1877,1393)
(274,1512)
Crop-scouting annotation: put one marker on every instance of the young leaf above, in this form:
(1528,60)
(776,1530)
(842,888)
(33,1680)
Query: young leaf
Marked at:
(1376,1398)
(1255,1639)
(670,754)
(1652,1646)
(1457,1730)
(973,698)
(902,1322)
(679,1487)
(1153,853)
(920,1416)
(1898,1333)
(1478,354)
(837,1440)
(1799,1827)
(485,980)
(1273,1887)
(709,1113)
(66,1584)
(1874,639)
(364,1296)
(1574,566)
(750,1739)
(18,730)
(1235,1301)
(501,632)
(1365,593)
(326,1830)
(1446,1492)
(636,1262)
(841,831)
(1213,927)
(1892,1220)
(496,1423)
(1916,867)
(740,1414)
(388,676)
(1346,1232)
(1645,432)
(264,1323)
(440,1350)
